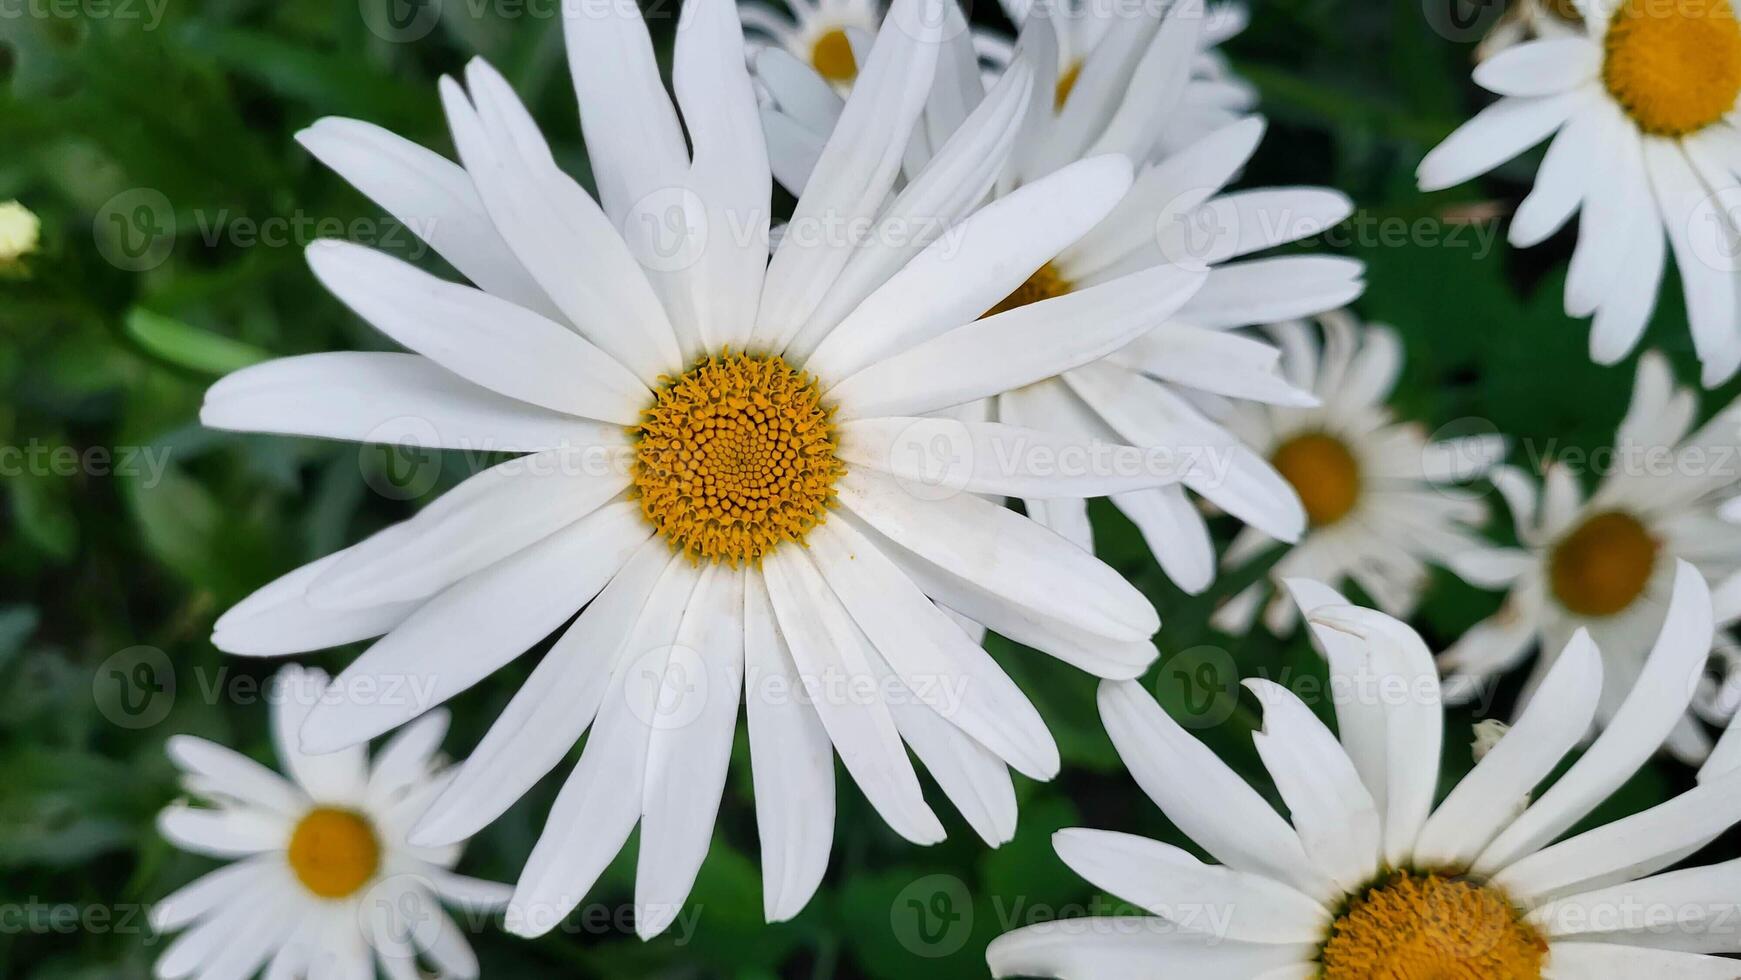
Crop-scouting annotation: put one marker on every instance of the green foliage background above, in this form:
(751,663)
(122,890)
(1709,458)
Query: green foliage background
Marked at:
(107,343)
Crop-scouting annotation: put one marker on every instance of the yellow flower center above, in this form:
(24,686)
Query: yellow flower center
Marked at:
(832,58)
(1047,283)
(334,852)
(1415,926)
(1675,65)
(735,457)
(1323,471)
(1603,565)
(1066,82)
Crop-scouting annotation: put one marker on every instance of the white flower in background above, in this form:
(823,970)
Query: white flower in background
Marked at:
(1381,501)
(804,102)
(322,882)
(1606,564)
(1366,877)
(724,461)
(20,229)
(1641,106)
(826,39)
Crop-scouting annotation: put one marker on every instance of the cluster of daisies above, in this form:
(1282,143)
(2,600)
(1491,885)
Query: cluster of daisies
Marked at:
(799,470)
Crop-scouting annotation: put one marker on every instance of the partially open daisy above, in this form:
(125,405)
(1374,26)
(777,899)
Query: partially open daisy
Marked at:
(725,461)
(1382,504)
(1366,877)
(1641,107)
(323,881)
(1606,564)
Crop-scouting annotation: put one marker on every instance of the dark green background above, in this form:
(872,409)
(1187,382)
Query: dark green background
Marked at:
(135,303)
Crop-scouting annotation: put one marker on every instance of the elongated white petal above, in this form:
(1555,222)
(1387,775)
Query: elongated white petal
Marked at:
(236,776)
(1545,67)
(1608,961)
(1134,948)
(792,763)
(486,340)
(1498,133)
(388,398)
(1017,347)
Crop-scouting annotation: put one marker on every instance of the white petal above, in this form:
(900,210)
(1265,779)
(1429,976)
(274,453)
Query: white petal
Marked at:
(277,619)
(495,514)
(976,265)
(791,760)
(485,340)
(223,833)
(1017,347)
(829,649)
(689,746)
(211,892)
(1270,290)
(1204,798)
(430,195)
(944,671)
(941,457)
(549,221)
(387,398)
(1133,948)
(1545,67)
(1500,132)
(547,715)
(856,170)
(1557,719)
(481,623)
(1007,555)
(1561,182)
(331,777)
(1170,883)
(1606,961)
(1175,533)
(1656,703)
(406,758)
(236,776)
(601,800)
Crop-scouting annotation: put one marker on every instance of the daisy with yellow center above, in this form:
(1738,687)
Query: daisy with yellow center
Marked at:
(323,881)
(1382,502)
(1606,564)
(1134,89)
(1640,102)
(726,494)
(1363,871)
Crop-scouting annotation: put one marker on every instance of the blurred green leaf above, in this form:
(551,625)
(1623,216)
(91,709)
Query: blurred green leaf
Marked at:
(190,347)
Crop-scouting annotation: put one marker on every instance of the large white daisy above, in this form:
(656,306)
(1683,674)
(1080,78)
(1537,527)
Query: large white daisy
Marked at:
(1381,501)
(1366,877)
(723,461)
(1606,564)
(323,882)
(1641,105)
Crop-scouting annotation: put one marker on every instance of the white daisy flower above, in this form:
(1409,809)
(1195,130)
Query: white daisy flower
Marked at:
(725,461)
(828,38)
(1381,501)
(1163,390)
(1606,564)
(1366,877)
(804,104)
(1641,106)
(323,881)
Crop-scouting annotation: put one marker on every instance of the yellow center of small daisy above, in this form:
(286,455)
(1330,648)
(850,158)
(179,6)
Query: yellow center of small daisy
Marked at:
(1415,926)
(832,58)
(1323,471)
(735,457)
(1603,565)
(1066,82)
(334,853)
(1047,283)
(1675,65)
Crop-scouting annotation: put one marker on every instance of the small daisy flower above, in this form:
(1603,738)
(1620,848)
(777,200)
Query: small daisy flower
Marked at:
(723,461)
(1366,877)
(828,38)
(1606,564)
(20,230)
(1640,105)
(324,882)
(1381,501)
